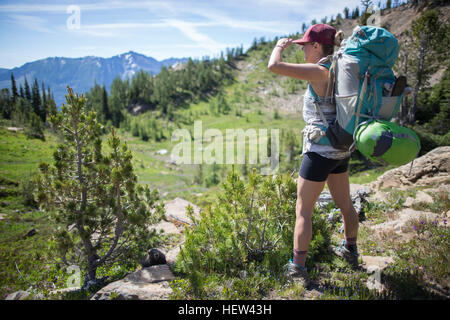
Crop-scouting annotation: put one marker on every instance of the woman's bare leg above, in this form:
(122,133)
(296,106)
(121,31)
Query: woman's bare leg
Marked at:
(307,194)
(339,186)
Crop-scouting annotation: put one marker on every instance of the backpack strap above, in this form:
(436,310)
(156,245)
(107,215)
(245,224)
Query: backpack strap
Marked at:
(329,63)
(332,68)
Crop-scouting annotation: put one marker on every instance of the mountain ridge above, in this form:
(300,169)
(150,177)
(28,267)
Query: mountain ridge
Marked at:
(82,73)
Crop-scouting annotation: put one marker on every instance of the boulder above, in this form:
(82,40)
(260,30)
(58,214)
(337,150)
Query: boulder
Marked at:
(403,217)
(358,194)
(430,169)
(423,197)
(14,129)
(162,151)
(151,274)
(146,284)
(176,210)
(18,295)
(167,227)
(172,254)
(64,291)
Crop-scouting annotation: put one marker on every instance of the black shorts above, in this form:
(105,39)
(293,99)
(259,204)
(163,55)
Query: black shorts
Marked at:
(314,167)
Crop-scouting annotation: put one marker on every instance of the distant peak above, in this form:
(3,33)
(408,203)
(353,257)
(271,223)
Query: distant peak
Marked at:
(131,52)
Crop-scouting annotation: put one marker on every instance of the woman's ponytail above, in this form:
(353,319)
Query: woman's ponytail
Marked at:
(328,49)
(338,38)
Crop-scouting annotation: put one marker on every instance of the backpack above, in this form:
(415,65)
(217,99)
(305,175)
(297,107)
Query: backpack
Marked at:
(363,82)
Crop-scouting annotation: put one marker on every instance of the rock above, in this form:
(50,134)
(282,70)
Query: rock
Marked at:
(171,255)
(153,257)
(94,283)
(18,295)
(444,188)
(162,151)
(124,290)
(324,199)
(167,227)
(176,210)
(14,129)
(355,188)
(423,197)
(408,202)
(146,284)
(379,196)
(403,217)
(431,169)
(65,290)
(151,274)
(358,196)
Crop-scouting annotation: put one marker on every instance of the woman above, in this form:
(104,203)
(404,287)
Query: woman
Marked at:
(320,163)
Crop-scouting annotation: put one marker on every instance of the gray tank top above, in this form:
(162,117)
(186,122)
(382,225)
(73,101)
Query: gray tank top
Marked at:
(314,120)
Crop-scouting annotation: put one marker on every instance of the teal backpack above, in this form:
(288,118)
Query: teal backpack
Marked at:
(364,89)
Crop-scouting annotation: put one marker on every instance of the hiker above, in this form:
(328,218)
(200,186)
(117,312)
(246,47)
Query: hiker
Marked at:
(321,163)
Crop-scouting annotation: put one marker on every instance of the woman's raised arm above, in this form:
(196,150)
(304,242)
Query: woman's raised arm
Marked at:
(305,71)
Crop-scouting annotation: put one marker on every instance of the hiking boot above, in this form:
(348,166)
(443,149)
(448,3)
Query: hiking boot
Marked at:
(343,252)
(296,273)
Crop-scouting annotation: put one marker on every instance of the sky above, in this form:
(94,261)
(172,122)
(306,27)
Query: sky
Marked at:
(33,30)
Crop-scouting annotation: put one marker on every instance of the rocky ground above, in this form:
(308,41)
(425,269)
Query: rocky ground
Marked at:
(430,172)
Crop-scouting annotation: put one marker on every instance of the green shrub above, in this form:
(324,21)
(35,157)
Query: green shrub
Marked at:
(249,227)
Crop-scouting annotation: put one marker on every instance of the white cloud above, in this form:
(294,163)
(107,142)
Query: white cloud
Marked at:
(192,33)
(31,22)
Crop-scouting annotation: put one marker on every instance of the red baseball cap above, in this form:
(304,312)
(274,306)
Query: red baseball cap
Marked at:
(321,33)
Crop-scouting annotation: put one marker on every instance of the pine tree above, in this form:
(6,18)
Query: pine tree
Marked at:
(13,89)
(44,97)
(105,107)
(198,179)
(51,104)
(36,101)
(5,103)
(105,214)
(35,127)
(346,12)
(118,100)
(214,178)
(27,90)
(430,38)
